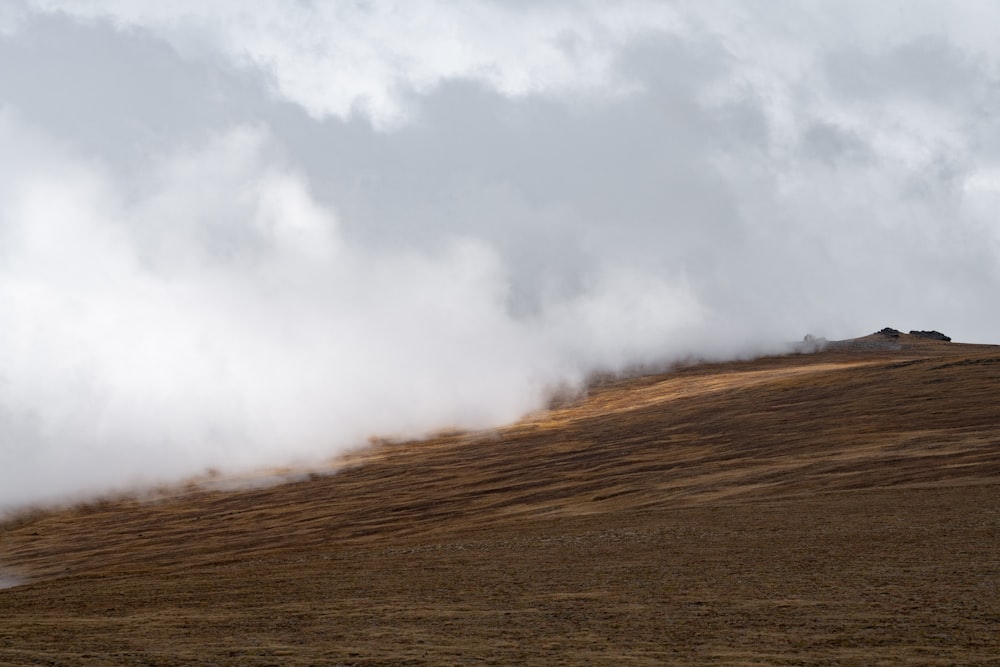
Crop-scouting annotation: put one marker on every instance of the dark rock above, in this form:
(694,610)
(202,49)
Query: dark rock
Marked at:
(890,332)
(933,335)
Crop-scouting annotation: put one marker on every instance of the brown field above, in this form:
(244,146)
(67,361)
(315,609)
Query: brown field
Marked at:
(834,508)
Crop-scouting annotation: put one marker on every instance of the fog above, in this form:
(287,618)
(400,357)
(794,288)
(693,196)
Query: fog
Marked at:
(241,235)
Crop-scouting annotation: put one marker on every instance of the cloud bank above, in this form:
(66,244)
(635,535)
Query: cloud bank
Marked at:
(246,234)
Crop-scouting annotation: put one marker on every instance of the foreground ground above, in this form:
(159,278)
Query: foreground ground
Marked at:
(835,508)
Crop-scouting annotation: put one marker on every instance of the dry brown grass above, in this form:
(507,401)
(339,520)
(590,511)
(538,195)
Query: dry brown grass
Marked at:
(837,508)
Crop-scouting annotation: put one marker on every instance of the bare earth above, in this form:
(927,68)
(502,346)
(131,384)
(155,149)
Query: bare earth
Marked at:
(835,508)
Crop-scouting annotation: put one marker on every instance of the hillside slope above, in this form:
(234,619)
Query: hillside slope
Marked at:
(833,508)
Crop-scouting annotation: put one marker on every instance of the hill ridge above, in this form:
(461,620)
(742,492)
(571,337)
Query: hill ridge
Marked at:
(855,448)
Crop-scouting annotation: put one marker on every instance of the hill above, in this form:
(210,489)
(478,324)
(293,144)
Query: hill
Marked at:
(841,507)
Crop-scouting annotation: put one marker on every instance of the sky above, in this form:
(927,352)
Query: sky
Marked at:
(240,234)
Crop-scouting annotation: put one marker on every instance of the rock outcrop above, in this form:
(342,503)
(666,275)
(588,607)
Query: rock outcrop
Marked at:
(933,335)
(810,344)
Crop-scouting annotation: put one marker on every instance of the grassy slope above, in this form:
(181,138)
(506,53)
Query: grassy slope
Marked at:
(837,508)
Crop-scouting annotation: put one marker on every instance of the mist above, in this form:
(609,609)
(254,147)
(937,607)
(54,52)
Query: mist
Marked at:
(235,239)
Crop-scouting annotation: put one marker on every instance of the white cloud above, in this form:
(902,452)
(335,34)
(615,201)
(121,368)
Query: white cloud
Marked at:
(341,59)
(12,17)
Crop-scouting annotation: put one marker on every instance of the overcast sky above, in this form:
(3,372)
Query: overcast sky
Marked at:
(238,234)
